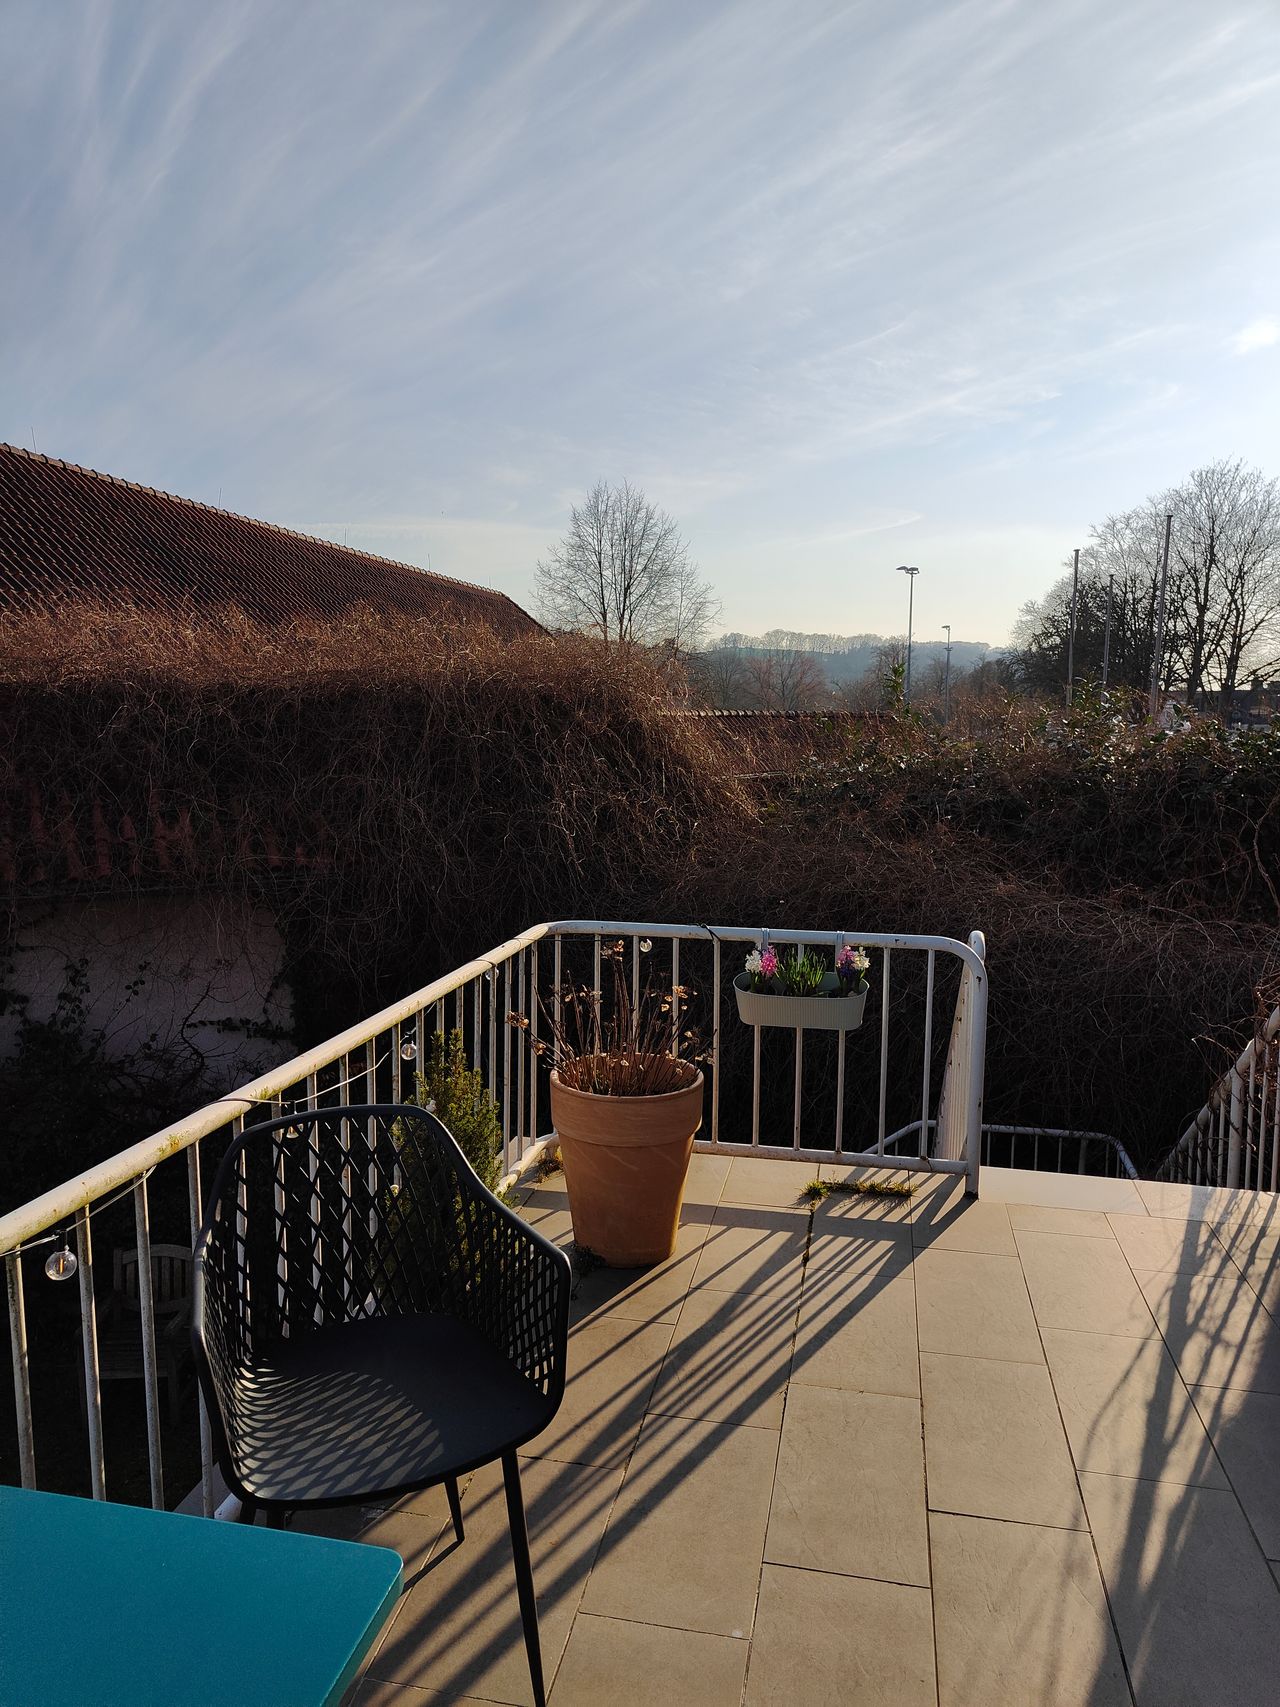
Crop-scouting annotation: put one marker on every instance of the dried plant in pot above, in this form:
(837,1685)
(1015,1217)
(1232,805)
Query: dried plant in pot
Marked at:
(626,1103)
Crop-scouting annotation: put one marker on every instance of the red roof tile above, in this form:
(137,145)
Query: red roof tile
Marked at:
(68,532)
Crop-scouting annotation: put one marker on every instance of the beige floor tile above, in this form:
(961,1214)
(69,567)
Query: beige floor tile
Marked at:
(705,1180)
(974,1305)
(686,1537)
(1210,1203)
(1170,1247)
(1245,1238)
(641,1294)
(994,1442)
(730,1358)
(1021,1618)
(1245,1429)
(613,1365)
(458,1629)
(416,1538)
(1257,1257)
(550,1215)
(857,1324)
(752,1250)
(1126,1410)
(610,1660)
(339,1522)
(1036,1218)
(833,1641)
(950,1221)
(849,1493)
(1218,1332)
(1195,1605)
(1061,1191)
(1083,1284)
(373,1692)
(767,1181)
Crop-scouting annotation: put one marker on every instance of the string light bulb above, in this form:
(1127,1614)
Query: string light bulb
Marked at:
(408,1050)
(61,1262)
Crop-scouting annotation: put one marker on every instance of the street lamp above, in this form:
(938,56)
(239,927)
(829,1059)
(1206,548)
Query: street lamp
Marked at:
(946,679)
(911,573)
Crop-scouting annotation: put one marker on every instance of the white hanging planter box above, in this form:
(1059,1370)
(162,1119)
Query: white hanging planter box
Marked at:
(826,1011)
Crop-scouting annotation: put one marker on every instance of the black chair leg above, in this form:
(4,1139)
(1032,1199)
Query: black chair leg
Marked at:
(248,1512)
(524,1574)
(455,1506)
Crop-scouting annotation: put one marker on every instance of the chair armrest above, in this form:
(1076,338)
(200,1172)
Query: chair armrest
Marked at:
(518,1291)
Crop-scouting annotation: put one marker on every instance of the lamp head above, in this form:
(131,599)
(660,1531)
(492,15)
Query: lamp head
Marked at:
(904,569)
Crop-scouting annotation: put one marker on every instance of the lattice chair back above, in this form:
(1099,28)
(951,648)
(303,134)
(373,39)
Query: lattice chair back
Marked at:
(332,1216)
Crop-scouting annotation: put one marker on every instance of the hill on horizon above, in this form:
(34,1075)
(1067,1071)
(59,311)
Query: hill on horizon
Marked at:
(847,657)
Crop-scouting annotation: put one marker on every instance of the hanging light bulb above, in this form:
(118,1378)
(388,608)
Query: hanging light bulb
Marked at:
(61,1263)
(408,1050)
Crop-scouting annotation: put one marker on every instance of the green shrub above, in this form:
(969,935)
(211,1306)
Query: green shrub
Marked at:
(457,1095)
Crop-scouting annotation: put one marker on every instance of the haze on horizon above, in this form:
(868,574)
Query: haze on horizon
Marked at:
(841,286)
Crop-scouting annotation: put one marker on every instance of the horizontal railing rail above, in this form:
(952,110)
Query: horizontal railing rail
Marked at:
(817,1095)
(1234,1140)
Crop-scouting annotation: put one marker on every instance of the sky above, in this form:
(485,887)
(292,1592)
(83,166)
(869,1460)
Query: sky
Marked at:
(841,286)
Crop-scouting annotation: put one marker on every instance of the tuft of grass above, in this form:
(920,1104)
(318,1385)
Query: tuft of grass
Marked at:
(817,1189)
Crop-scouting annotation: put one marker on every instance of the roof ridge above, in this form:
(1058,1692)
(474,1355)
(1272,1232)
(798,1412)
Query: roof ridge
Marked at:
(252,521)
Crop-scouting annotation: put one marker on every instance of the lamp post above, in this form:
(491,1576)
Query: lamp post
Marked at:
(1157,641)
(1071,628)
(1106,631)
(946,679)
(911,573)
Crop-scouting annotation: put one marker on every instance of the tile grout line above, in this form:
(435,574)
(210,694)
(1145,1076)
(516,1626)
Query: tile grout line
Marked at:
(1176,1274)
(773,1486)
(924,1455)
(1075,1469)
(608,1518)
(617,1493)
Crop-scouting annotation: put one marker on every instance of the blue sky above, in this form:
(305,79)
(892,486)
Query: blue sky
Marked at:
(841,286)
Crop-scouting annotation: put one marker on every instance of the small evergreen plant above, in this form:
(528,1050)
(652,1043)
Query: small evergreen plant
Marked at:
(458,1097)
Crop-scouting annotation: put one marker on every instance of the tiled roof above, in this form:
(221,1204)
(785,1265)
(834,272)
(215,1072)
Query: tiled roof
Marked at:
(779,743)
(68,532)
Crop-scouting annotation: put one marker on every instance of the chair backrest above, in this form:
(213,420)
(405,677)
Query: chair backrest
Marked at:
(171,1270)
(329,1216)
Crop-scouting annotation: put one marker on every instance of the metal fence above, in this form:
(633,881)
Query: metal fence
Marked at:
(905,1090)
(1235,1139)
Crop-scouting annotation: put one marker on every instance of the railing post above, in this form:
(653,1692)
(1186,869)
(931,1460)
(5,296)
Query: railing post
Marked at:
(21,1369)
(1234,1144)
(977,1063)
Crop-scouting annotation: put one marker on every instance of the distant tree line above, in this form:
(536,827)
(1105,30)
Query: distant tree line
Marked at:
(624,573)
(1222,621)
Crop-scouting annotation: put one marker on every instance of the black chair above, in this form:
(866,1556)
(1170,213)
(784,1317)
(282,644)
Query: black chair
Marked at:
(370,1320)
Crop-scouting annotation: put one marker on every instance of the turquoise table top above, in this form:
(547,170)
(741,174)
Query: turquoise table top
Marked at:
(103,1604)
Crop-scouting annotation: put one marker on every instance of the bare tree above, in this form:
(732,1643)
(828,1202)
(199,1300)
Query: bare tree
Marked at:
(1223,600)
(783,680)
(718,678)
(623,572)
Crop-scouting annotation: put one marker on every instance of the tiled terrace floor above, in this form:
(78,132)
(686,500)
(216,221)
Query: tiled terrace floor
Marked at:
(1021,1451)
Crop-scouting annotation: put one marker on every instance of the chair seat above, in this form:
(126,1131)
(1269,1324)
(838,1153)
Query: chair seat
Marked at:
(377,1407)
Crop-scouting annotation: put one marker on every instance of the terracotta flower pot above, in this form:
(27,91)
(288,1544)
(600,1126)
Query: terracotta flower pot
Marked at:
(625,1161)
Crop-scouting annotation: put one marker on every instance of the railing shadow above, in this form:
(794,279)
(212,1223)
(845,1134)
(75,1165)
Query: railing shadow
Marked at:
(1218,1375)
(745,1350)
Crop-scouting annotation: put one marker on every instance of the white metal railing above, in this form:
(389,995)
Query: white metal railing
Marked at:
(1235,1139)
(852,1097)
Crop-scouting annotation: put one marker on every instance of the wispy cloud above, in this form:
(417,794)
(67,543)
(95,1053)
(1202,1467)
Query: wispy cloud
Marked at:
(789,269)
(1257,335)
